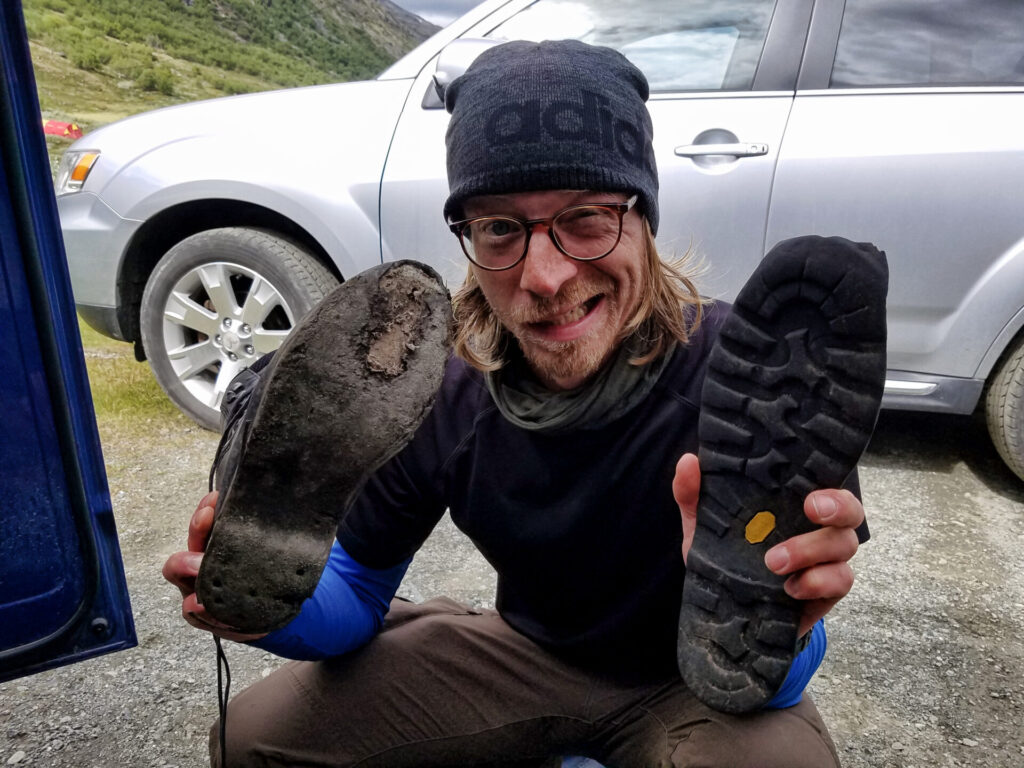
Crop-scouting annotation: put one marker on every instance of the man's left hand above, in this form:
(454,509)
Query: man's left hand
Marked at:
(817,562)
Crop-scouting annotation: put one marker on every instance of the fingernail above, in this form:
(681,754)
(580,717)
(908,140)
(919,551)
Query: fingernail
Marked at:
(195,559)
(776,559)
(825,506)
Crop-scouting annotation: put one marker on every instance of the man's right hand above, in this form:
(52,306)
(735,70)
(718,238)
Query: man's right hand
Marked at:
(182,568)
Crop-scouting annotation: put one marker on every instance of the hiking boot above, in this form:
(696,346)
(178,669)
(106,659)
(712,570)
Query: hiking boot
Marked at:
(344,393)
(790,400)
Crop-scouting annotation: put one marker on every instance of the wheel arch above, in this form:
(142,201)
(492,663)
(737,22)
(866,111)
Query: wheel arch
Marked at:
(1011,335)
(161,232)
(1002,348)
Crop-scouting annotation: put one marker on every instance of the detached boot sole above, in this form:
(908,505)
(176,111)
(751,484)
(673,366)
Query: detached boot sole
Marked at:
(789,403)
(344,393)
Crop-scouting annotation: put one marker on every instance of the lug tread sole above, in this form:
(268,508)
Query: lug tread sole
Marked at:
(789,403)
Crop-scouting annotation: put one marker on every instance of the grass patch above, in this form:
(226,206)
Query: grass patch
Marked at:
(124,392)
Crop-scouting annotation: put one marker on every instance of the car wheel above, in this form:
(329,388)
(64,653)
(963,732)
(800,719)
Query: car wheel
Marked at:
(1004,408)
(218,301)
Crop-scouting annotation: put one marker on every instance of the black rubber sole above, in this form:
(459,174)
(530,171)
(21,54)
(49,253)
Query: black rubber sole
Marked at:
(344,393)
(790,401)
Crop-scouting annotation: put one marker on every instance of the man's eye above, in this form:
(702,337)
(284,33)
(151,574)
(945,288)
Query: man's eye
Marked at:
(499,228)
(579,214)
(586,220)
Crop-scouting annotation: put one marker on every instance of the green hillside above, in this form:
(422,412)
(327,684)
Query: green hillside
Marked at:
(100,60)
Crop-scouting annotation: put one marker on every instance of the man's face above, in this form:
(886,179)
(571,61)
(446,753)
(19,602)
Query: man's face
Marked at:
(567,315)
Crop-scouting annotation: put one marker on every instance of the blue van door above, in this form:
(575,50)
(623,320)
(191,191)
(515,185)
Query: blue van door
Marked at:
(63,595)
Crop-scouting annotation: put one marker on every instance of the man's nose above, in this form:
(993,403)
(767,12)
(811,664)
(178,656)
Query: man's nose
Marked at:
(545,268)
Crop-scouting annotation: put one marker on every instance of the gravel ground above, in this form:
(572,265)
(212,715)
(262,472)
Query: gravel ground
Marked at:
(923,668)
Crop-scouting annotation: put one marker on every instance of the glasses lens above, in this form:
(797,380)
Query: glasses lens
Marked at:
(587,231)
(494,242)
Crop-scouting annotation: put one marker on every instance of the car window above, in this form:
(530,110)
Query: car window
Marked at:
(923,42)
(680,46)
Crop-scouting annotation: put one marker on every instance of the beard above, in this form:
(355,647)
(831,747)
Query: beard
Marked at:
(553,361)
(561,360)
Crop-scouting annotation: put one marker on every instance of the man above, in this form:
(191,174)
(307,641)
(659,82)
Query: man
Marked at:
(562,442)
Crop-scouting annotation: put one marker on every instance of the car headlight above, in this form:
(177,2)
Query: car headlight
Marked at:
(74,169)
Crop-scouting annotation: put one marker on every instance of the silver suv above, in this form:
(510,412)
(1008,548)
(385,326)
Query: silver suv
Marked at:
(203,232)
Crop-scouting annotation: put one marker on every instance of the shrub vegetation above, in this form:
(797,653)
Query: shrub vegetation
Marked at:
(235,45)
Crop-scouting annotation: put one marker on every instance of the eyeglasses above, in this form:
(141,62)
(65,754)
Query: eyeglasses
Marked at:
(582,232)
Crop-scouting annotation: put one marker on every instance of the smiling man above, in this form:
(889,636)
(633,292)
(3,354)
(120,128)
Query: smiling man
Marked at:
(561,441)
(567,314)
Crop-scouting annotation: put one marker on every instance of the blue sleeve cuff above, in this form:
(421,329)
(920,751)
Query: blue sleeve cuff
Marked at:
(345,611)
(801,670)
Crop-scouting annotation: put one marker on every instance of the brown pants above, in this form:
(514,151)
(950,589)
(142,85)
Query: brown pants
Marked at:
(442,685)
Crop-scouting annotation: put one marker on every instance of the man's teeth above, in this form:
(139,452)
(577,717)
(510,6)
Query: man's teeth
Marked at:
(569,317)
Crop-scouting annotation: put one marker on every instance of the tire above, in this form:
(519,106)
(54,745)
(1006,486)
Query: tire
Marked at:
(1004,408)
(198,335)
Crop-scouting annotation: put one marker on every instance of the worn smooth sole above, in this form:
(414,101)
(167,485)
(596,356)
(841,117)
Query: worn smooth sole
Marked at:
(792,393)
(345,392)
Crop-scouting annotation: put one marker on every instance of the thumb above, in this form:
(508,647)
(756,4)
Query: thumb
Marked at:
(686,490)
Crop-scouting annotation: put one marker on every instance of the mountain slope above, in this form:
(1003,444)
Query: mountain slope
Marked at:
(97,60)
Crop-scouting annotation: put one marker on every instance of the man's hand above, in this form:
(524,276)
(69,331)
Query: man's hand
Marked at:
(816,562)
(182,568)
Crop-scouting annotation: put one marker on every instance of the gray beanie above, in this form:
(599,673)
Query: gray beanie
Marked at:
(551,115)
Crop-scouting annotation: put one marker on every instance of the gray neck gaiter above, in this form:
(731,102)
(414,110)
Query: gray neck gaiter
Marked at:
(612,393)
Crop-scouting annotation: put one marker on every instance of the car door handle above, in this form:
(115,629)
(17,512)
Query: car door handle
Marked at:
(739,149)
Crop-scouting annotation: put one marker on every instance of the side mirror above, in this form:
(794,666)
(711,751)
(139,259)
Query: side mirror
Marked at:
(453,60)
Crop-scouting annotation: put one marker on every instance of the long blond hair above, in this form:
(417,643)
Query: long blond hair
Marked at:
(670,309)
